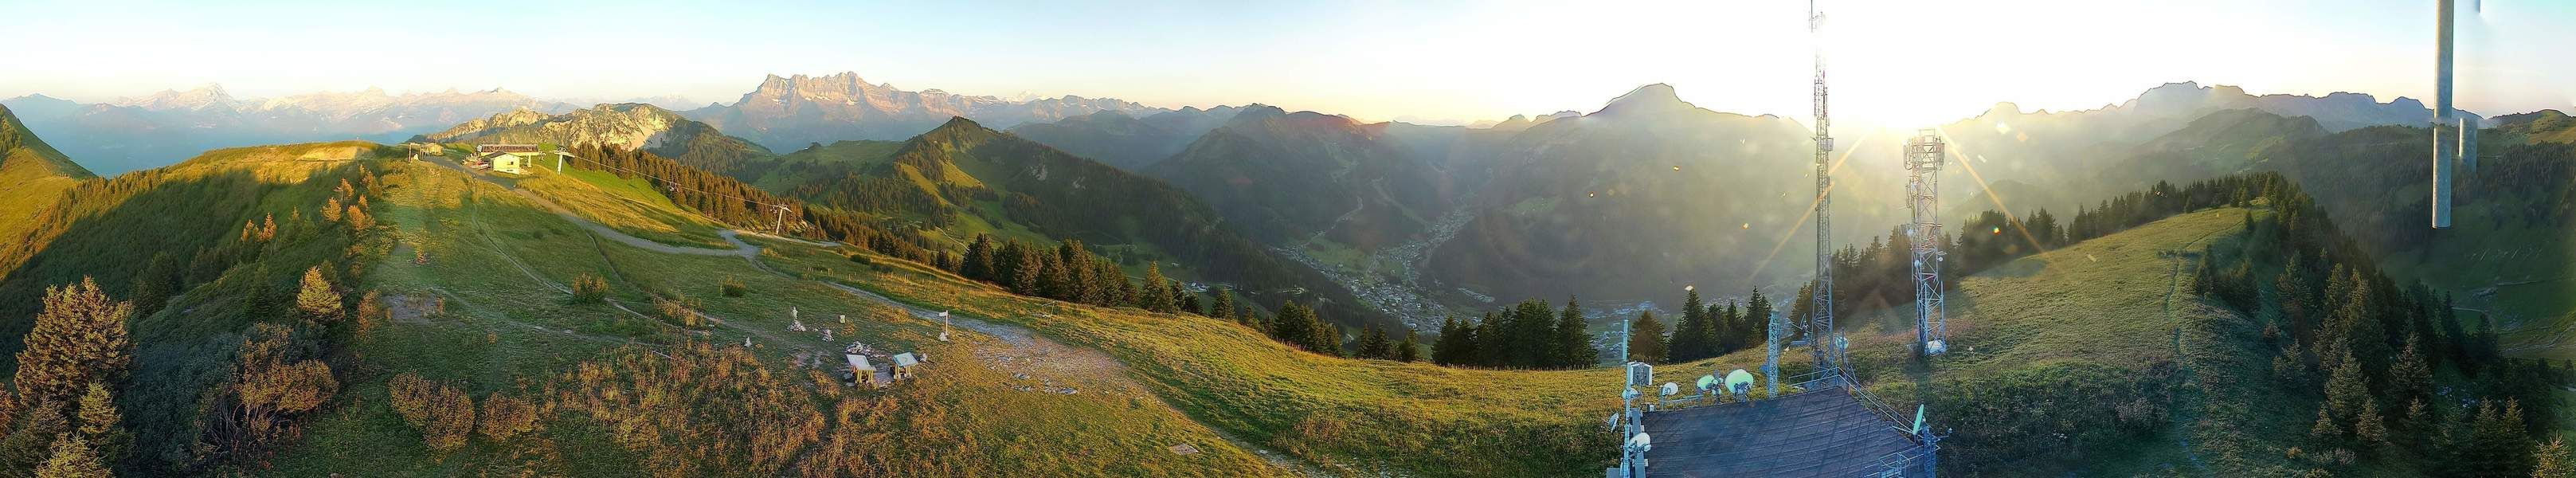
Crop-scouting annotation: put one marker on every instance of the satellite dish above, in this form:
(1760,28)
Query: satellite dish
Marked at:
(1671,389)
(1641,440)
(1613,422)
(1935,347)
(1739,381)
(1707,382)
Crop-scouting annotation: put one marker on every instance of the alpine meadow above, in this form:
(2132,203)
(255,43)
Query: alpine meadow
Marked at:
(1143,239)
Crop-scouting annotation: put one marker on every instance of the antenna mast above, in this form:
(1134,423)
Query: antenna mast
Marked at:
(1820,322)
(1923,157)
(2443,117)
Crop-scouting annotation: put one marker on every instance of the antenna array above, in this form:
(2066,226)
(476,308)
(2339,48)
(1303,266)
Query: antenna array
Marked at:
(1820,322)
(1923,156)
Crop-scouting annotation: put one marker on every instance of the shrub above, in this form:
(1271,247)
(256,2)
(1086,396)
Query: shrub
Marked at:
(443,413)
(734,288)
(679,310)
(371,311)
(589,289)
(505,417)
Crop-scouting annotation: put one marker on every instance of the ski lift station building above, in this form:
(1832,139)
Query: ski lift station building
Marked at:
(507,158)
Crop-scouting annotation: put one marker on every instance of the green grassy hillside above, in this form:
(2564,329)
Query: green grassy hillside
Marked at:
(467,285)
(32,174)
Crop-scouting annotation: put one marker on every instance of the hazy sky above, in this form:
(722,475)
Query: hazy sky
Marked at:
(1894,62)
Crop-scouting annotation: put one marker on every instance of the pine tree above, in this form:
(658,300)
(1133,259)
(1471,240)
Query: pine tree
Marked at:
(1055,282)
(1327,339)
(1493,344)
(1223,306)
(2325,431)
(2368,426)
(1114,289)
(1190,304)
(31,442)
(1294,325)
(98,419)
(1028,273)
(79,338)
(2347,393)
(1373,344)
(1757,318)
(2552,461)
(978,264)
(2497,444)
(154,286)
(1157,294)
(1735,331)
(1083,274)
(1573,345)
(1692,335)
(72,458)
(1006,264)
(319,304)
(1456,344)
(1409,350)
(1532,337)
(1646,342)
(2410,378)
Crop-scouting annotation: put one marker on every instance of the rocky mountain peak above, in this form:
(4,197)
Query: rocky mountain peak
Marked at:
(1652,98)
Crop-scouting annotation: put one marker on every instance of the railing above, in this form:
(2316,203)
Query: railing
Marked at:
(1903,463)
(1881,409)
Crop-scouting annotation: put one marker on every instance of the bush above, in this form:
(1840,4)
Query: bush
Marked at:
(679,310)
(734,288)
(443,413)
(589,289)
(371,311)
(504,417)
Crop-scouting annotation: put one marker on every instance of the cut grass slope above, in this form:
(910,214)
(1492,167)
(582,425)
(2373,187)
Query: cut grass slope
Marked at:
(629,205)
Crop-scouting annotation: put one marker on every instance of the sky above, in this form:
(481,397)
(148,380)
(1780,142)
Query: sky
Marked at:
(1897,63)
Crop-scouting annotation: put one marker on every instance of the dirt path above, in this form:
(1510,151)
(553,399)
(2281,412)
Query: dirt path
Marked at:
(2184,417)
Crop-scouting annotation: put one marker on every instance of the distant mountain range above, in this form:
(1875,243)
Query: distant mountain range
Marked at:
(163,128)
(793,112)
(2099,149)
(1593,204)
(1125,141)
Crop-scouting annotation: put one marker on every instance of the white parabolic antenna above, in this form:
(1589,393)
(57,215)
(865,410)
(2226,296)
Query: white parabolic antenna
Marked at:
(1671,389)
(1739,380)
(1707,381)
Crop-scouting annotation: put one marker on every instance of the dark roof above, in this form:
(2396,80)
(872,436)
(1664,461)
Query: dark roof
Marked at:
(1823,432)
(506,148)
